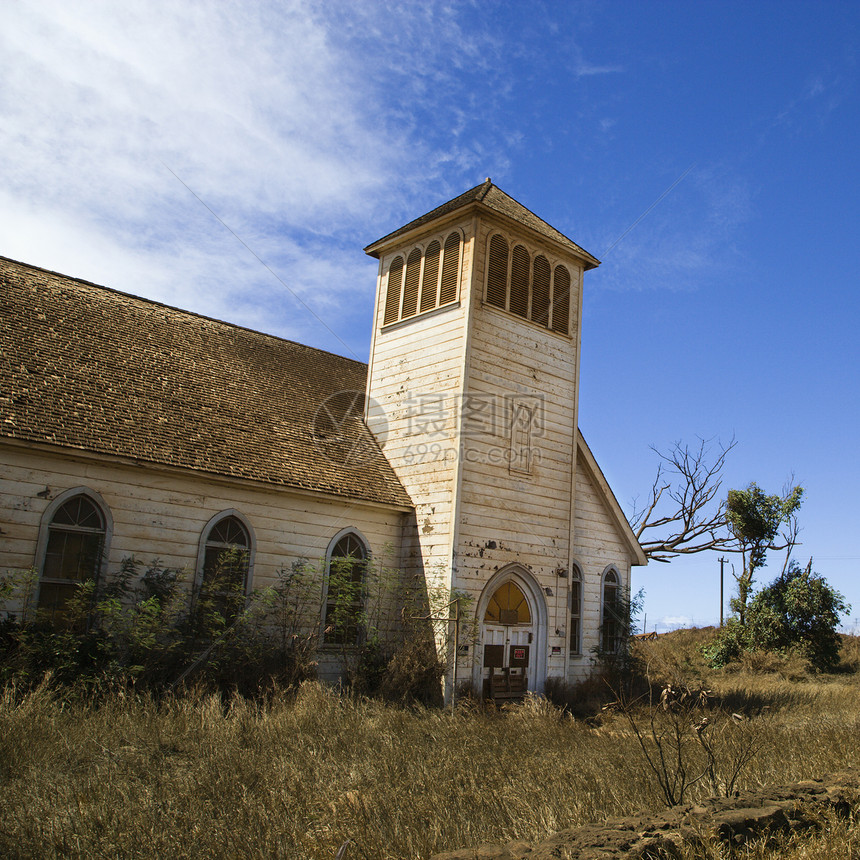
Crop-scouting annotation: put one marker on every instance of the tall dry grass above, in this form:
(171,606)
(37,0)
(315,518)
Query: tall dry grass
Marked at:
(297,776)
(830,837)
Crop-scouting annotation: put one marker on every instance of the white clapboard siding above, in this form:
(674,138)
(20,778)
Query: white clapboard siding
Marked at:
(161,514)
(474,513)
(415,386)
(597,543)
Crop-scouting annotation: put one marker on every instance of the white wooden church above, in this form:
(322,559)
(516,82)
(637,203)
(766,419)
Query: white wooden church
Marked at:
(129,427)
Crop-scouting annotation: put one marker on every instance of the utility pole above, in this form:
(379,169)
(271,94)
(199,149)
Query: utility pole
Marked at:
(722,562)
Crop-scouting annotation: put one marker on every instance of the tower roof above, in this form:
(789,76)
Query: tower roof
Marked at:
(490,197)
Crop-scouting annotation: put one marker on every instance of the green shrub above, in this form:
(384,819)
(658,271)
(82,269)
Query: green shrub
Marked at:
(797,613)
(147,629)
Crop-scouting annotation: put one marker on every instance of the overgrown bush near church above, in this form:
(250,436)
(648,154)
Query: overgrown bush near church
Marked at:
(393,635)
(144,626)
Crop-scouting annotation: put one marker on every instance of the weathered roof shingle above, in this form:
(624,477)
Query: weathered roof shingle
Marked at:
(87,367)
(492,197)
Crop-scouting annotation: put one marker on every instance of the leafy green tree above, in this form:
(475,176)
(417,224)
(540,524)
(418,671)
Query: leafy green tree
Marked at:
(798,612)
(755,520)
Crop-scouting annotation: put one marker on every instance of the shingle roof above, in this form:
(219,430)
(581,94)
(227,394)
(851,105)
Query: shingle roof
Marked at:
(87,367)
(492,197)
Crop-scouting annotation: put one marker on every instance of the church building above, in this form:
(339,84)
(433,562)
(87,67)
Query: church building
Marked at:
(128,427)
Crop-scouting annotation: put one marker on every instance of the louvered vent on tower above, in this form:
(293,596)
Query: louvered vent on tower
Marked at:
(430,280)
(450,267)
(410,286)
(392,295)
(520,265)
(561,301)
(531,288)
(497,272)
(540,291)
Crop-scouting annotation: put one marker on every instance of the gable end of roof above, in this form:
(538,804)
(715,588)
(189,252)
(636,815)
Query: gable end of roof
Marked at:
(491,198)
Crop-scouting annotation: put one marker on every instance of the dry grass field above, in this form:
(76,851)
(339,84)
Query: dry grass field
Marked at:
(299,775)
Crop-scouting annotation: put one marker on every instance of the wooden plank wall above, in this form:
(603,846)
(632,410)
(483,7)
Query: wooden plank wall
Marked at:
(505,516)
(596,545)
(160,514)
(416,380)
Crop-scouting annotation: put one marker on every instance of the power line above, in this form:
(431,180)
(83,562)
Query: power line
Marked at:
(256,256)
(667,191)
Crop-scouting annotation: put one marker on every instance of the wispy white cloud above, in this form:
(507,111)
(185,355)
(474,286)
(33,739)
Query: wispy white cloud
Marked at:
(268,114)
(818,97)
(308,129)
(585,69)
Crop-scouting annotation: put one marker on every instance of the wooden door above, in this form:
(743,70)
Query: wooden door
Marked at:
(507,637)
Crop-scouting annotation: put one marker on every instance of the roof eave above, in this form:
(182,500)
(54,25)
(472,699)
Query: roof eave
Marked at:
(400,237)
(638,557)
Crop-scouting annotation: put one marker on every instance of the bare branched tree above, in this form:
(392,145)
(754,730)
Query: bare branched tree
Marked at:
(685,512)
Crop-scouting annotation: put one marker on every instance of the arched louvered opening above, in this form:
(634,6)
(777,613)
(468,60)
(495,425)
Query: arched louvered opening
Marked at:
(392,296)
(497,272)
(520,265)
(561,300)
(528,286)
(540,291)
(426,281)
(410,285)
(450,270)
(430,279)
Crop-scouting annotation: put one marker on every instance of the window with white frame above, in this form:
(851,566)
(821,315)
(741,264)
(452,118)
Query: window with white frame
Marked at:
(524,282)
(75,546)
(424,279)
(575,630)
(612,626)
(226,563)
(346,575)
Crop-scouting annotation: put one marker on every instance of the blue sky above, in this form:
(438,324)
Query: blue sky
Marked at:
(706,152)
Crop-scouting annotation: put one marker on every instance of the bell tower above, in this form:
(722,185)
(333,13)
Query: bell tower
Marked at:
(473,373)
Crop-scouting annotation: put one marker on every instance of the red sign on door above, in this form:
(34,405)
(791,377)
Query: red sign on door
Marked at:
(519,653)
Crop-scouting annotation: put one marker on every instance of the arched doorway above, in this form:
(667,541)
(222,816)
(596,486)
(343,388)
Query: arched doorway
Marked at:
(511,659)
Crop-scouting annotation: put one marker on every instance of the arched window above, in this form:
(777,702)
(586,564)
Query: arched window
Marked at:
(612,627)
(75,546)
(575,611)
(226,549)
(343,622)
(430,279)
(507,606)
